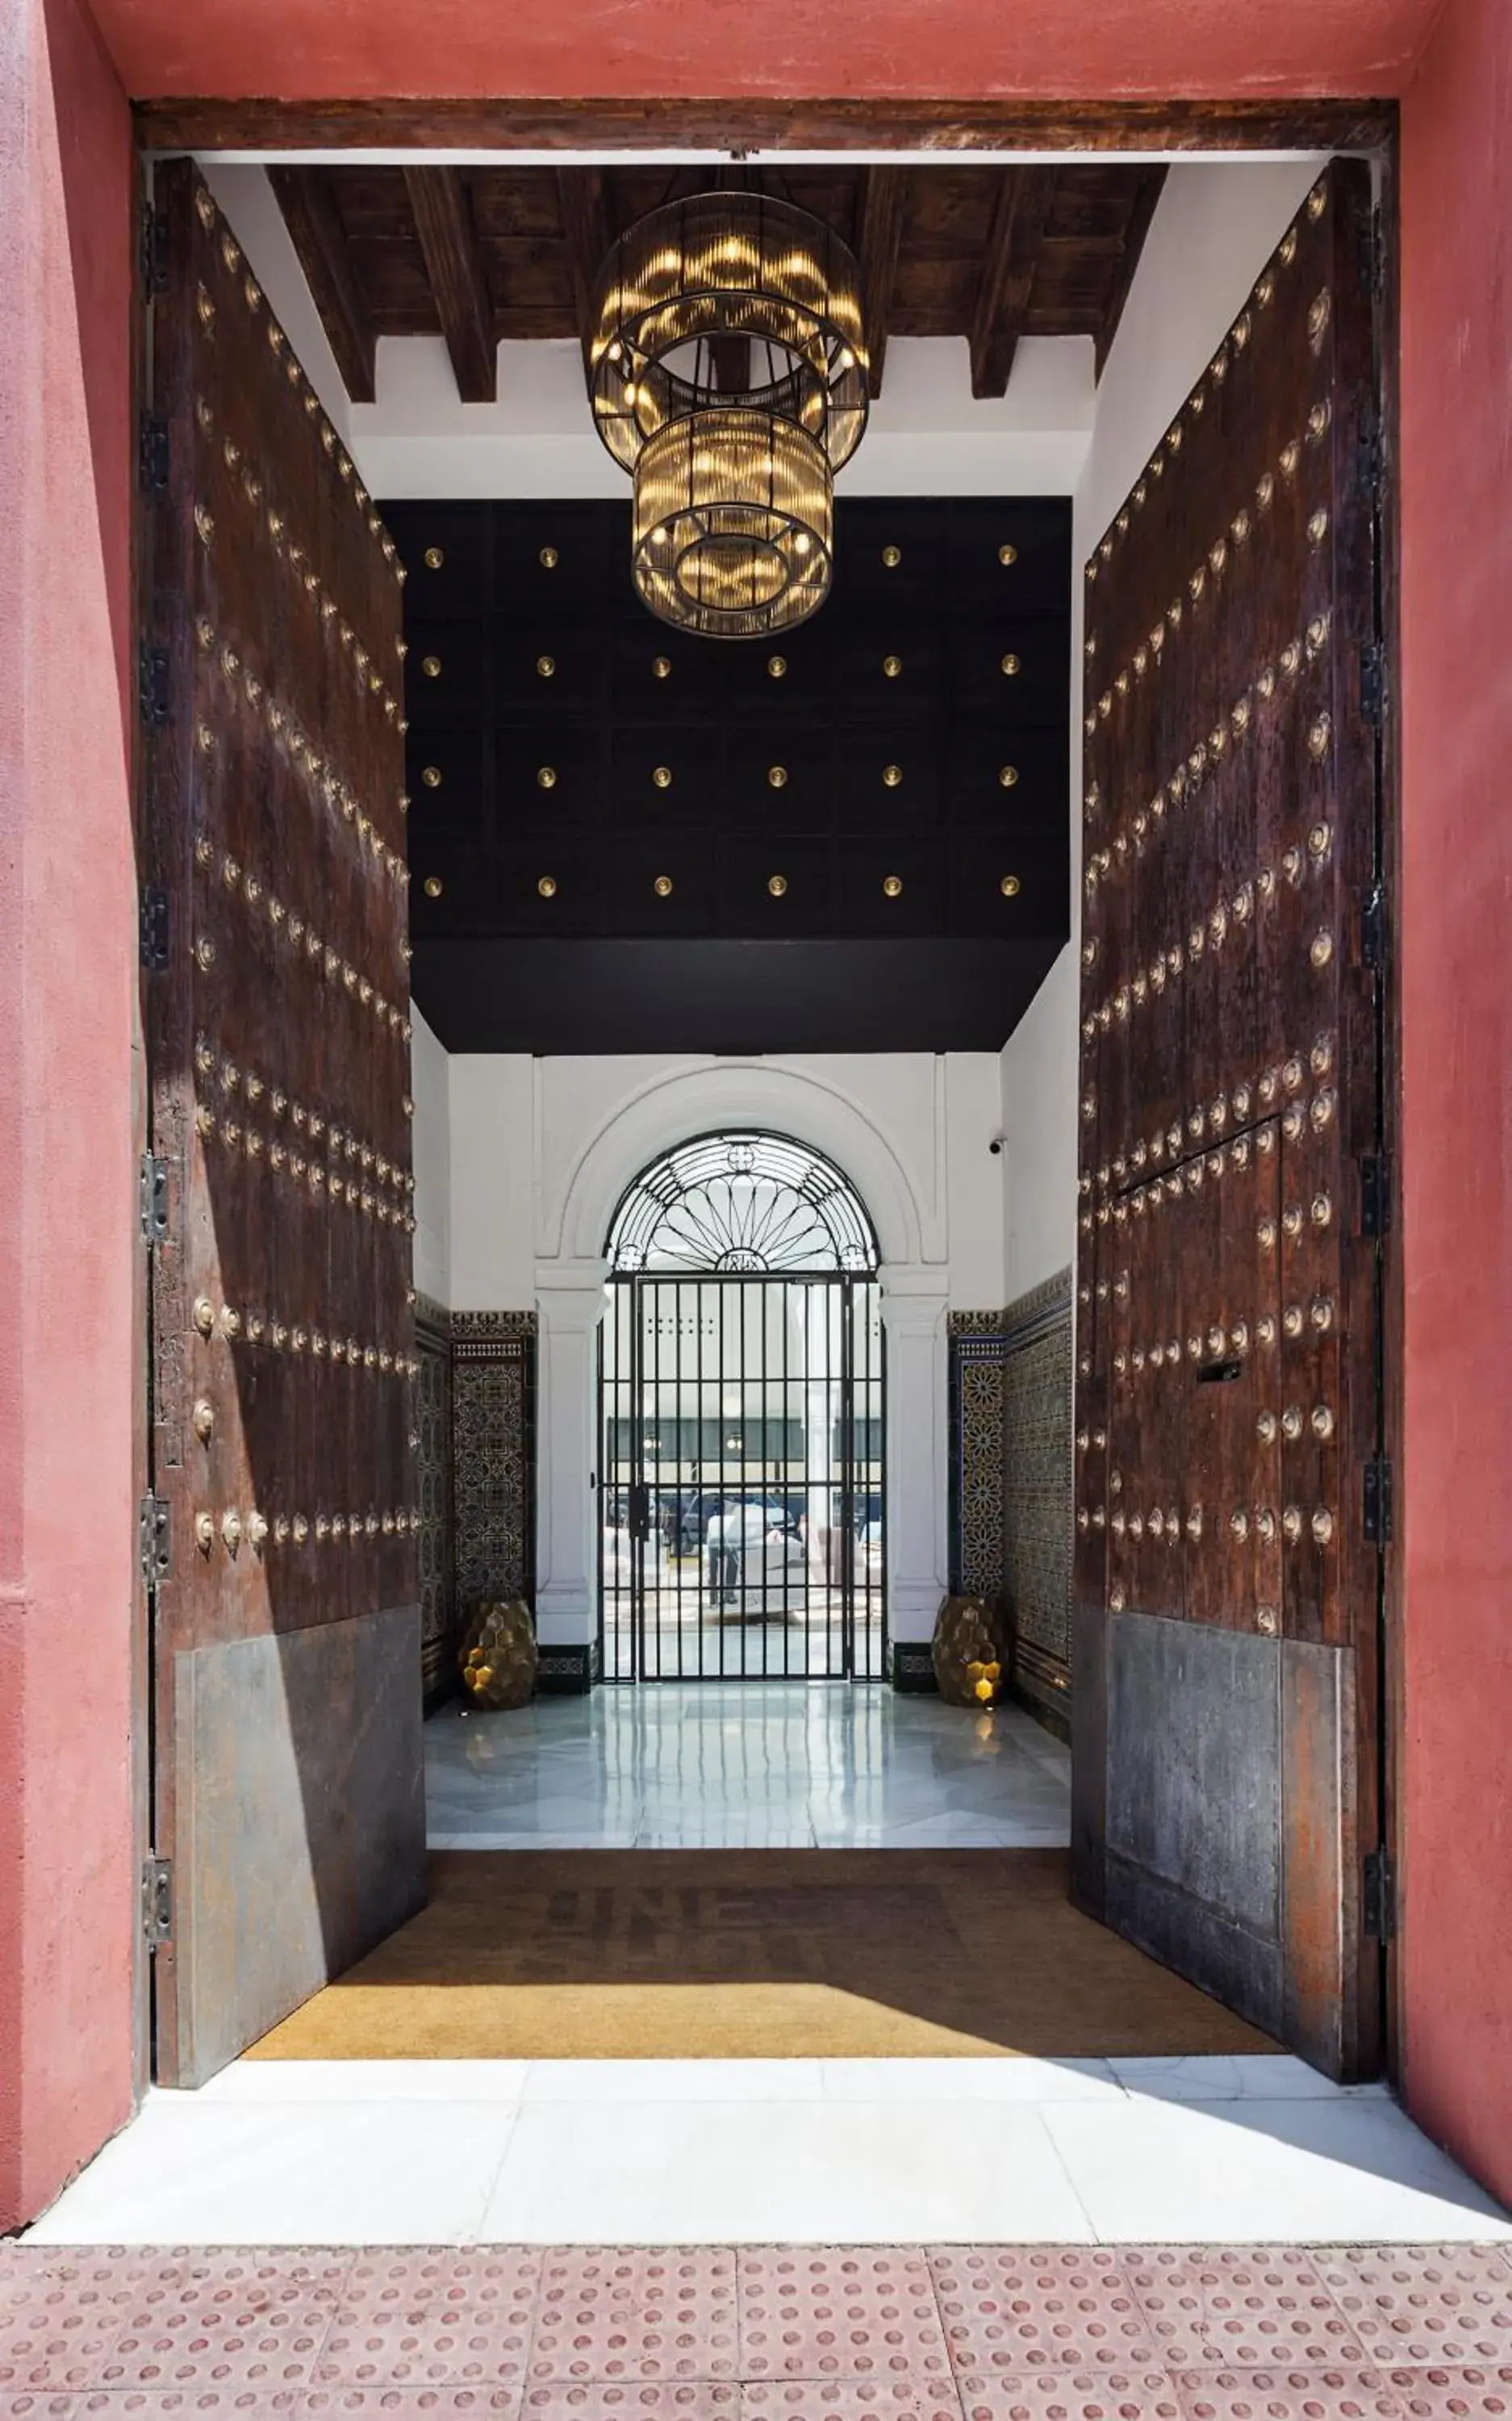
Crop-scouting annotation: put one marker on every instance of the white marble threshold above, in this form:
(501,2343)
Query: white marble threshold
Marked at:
(1218,2151)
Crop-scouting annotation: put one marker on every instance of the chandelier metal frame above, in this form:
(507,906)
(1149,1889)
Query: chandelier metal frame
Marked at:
(727,372)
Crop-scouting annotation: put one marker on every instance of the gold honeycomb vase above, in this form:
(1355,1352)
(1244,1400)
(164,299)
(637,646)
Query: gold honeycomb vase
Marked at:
(498,1658)
(969,1651)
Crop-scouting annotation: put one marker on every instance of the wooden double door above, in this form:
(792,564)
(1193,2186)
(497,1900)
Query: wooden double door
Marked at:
(280,1536)
(1231,1500)
(1231,1497)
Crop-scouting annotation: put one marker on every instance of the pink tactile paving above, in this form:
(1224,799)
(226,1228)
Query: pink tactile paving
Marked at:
(218,2324)
(1288,2392)
(394,2402)
(1248,2309)
(869,2312)
(52,2344)
(849,2399)
(1448,2305)
(561,2400)
(435,2319)
(1469,2393)
(1081,2394)
(1019,2310)
(47,2404)
(656,2315)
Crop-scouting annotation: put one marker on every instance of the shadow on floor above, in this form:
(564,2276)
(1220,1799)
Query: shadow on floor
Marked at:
(754,1955)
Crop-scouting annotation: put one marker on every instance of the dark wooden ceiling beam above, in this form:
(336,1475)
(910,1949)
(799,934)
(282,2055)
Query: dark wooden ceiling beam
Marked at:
(1020,212)
(314,224)
(878,237)
(579,193)
(1146,193)
(454,265)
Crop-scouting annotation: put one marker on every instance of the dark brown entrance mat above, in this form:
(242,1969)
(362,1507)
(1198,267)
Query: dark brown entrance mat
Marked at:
(754,1954)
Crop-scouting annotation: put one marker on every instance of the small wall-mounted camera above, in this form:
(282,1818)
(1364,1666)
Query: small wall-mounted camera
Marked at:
(996,1145)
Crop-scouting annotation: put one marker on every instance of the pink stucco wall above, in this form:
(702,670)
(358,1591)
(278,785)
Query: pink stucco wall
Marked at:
(67,1076)
(68,1066)
(1456,1140)
(645,49)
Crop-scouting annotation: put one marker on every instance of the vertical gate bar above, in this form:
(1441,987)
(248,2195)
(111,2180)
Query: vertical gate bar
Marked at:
(605,1362)
(653,1428)
(759,1291)
(696,1487)
(634,1317)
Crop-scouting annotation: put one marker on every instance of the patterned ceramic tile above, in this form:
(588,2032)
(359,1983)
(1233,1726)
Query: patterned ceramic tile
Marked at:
(492,1381)
(1010,1463)
(433,1472)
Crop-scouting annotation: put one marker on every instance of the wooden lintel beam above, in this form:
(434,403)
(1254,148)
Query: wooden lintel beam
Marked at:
(1146,194)
(1020,212)
(585,232)
(314,224)
(951,128)
(879,232)
(444,222)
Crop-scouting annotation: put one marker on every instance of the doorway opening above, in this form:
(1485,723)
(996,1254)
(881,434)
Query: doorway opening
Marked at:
(741,1421)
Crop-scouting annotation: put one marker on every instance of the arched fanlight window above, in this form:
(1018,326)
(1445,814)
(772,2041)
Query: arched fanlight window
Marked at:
(742,1204)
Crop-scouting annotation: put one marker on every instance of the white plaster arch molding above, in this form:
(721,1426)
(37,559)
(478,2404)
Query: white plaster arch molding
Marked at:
(654,1113)
(677,1105)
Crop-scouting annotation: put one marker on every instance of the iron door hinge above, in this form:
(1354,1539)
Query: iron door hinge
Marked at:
(1375,1194)
(155,1534)
(1374,690)
(154,1198)
(1372,452)
(152,928)
(154,255)
(157,1902)
(152,456)
(1373,930)
(1379,1912)
(152,686)
(1378,1501)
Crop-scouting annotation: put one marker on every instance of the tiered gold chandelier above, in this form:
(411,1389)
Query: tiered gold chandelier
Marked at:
(727,372)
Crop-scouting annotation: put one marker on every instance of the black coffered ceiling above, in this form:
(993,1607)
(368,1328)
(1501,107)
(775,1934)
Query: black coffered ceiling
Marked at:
(647,841)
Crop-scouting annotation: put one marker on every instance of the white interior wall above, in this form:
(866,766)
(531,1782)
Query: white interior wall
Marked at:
(430,1145)
(926,435)
(1215,226)
(500,1137)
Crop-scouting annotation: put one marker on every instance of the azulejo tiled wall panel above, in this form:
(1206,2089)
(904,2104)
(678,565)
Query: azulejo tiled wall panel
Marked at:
(476,1461)
(493,1452)
(1010,1470)
(432,1464)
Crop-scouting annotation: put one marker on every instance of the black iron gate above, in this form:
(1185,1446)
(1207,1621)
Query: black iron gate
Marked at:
(742,1473)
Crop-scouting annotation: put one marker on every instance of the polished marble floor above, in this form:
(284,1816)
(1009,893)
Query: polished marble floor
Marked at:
(745,1765)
